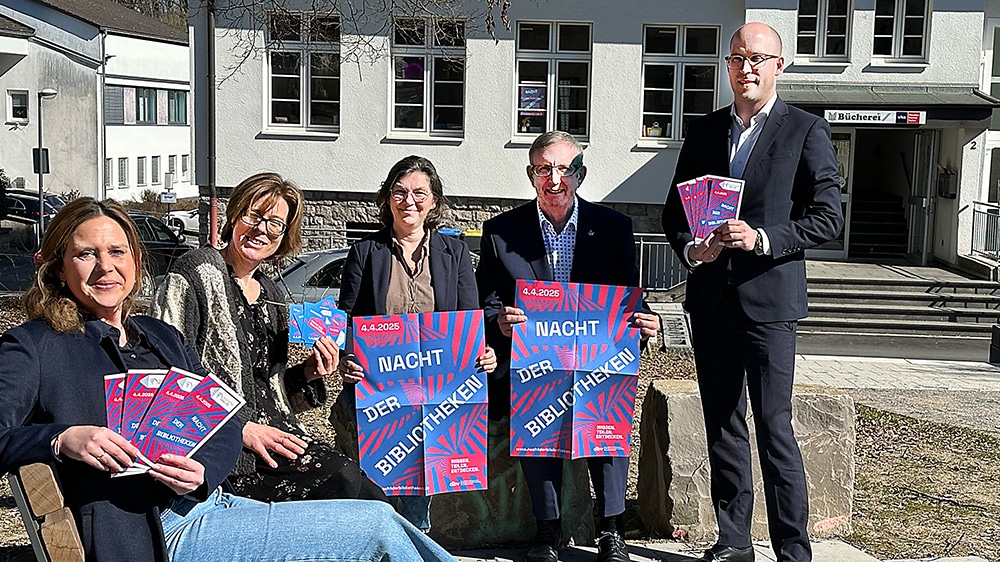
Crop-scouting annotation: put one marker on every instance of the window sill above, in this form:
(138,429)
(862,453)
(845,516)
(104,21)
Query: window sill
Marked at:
(398,138)
(819,63)
(889,64)
(650,145)
(297,134)
(525,141)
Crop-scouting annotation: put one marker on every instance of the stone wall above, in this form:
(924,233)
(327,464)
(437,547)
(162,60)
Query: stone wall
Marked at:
(674,472)
(500,515)
(328,213)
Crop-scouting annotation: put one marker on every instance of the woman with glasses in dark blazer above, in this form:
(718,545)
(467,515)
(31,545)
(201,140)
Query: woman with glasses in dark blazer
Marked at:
(407,267)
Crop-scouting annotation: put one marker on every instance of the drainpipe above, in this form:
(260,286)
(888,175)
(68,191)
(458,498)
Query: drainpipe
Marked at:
(102,127)
(213,195)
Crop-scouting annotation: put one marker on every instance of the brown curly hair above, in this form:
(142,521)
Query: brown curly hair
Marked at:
(48,297)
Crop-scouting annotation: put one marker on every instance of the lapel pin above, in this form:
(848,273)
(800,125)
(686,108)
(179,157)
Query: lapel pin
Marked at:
(590,233)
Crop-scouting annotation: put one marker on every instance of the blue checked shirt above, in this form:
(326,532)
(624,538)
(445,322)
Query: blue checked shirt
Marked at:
(559,247)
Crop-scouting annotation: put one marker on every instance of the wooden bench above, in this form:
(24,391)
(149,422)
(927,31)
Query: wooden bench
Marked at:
(48,522)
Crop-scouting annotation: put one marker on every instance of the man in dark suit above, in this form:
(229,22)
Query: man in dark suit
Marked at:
(557,237)
(746,289)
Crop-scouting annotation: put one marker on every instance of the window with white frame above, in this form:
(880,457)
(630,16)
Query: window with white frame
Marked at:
(172,165)
(553,78)
(680,72)
(17,106)
(140,170)
(145,106)
(155,170)
(823,28)
(176,107)
(303,66)
(107,172)
(428,78)
(123,172)
(900,29)
(184,166)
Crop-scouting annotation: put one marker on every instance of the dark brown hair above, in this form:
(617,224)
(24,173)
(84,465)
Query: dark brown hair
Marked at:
(48,297)
(402,168)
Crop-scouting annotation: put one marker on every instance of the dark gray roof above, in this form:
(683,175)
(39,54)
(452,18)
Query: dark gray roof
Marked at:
(13,28)
(902,96)
(111,16)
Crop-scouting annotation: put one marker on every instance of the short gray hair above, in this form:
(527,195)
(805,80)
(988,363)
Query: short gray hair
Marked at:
(550,138)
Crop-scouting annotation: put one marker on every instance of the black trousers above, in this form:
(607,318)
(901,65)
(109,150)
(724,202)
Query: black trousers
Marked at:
(609,475)
(736,357)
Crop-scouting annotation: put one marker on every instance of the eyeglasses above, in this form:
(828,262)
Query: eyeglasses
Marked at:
(399,195)
(273,227)
(735,62)
(545,170)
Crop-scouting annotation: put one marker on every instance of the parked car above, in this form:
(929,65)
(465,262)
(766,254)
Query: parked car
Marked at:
(316,275)
(313,275)
(161,247)
(22,206)
(182,221)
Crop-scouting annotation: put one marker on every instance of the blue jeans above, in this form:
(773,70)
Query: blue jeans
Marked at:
(228,527)
(415,509)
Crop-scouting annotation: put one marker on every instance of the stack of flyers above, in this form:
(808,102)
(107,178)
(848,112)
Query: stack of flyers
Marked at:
(167,411)
(308,322)
(709,201)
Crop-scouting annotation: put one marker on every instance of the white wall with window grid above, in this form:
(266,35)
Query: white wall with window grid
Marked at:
(885,42)
(463,106)
(624,77)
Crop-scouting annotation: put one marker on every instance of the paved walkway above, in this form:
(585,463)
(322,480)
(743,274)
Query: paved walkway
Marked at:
(826,551)
(851,374)
(896,374)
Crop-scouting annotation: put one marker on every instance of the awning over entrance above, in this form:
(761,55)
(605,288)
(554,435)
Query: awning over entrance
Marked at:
(940,102)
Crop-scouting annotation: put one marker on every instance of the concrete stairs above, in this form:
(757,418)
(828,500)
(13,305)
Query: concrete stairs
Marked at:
(902,306)
(878,225)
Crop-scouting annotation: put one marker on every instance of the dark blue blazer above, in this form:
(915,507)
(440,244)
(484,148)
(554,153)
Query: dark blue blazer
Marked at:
(365,281)
(512,248)
(50,381)
(792,192)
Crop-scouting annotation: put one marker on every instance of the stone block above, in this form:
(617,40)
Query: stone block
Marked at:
(500,515)
(675,493)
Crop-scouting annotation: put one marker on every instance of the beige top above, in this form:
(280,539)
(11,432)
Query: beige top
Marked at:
(409,291)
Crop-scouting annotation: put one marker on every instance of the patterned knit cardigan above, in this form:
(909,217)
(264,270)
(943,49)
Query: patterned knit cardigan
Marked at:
(198,298)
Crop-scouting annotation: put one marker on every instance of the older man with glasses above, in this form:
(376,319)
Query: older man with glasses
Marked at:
(557,237)
(746,289)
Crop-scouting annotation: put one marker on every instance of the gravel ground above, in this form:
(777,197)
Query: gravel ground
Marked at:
(927,466)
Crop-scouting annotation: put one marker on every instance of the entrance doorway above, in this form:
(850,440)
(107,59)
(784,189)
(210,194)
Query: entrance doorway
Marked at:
(889,202)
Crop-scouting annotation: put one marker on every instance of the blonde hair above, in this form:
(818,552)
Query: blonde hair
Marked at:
(267,188)
(48,297)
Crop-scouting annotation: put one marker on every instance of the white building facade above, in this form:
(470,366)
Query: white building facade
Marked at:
(122,84)
(624,77)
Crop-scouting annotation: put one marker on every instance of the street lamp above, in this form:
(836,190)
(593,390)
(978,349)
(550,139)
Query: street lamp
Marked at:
(42,163)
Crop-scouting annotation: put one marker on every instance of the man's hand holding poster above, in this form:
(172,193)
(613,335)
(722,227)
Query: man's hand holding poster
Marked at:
(421,406)
(574,367)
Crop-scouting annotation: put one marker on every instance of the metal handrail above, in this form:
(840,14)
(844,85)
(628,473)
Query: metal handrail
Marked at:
(659,267)
(986,230)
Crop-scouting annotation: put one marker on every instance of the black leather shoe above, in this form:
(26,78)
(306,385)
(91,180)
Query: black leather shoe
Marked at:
(548,541)
(719,553)
(611,548)
(542,553)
